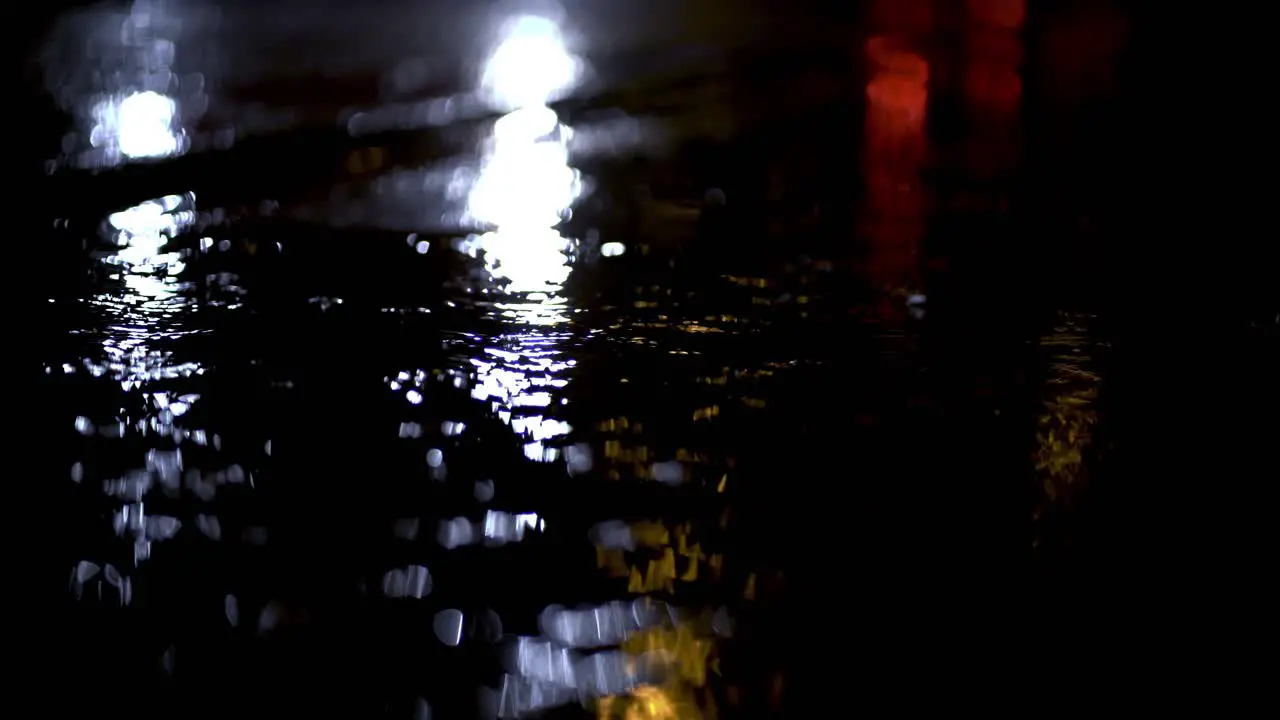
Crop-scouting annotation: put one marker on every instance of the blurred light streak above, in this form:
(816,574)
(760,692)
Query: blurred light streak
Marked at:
(897,95)
(993,84)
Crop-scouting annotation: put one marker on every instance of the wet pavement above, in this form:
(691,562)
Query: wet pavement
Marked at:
(667,369)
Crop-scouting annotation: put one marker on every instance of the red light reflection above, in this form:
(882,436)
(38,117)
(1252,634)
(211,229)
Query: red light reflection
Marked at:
(995,88)
(993,83)
(1079,52)
(896,94)
(905,16)
(1007,14)
(893,221)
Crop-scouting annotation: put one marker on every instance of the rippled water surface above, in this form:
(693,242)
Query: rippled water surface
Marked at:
(564,362)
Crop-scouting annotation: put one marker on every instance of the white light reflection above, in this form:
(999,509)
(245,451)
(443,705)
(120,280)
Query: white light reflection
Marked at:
(533,265)
(524,189)
(150,305)
(143,309)
(531,66)
(140,125)
(118,69)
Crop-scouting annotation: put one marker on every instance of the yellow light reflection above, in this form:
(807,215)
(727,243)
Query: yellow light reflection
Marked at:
(648,702)
(1067,423)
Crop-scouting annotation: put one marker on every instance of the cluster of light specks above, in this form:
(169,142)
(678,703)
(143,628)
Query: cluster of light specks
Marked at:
(603,625)
(413,385)
(520,384)
(594,654)
(102,583)
(132,521)
(149,305)
(520,380)
(498,528)
(451,626)
(410,383)
(410,582)
(144,310)
(1065,427)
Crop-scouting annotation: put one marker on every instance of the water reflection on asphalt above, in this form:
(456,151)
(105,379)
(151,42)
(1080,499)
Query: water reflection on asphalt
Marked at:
(499,415)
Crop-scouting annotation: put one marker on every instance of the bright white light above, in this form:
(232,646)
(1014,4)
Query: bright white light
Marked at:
(139,126)
(531,66)
(147,301)
(525,125)
(524,185)
(142,230)
(524,188)
(612,249)
(152,216)
(529,261)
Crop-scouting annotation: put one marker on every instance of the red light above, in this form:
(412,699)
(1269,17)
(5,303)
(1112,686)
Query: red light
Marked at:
(995,87)
(1007,14)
